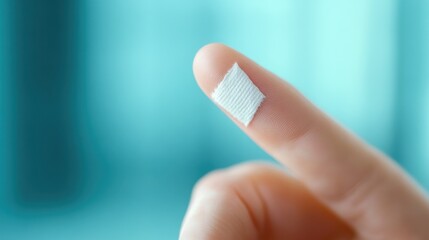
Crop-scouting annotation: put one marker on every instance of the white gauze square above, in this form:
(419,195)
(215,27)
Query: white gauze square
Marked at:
(237,94)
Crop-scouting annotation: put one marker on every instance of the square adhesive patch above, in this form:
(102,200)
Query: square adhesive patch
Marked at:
(237,94)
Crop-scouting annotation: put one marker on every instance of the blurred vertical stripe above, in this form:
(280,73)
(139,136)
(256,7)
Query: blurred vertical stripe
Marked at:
(411,142)
(43,79)
(4,105)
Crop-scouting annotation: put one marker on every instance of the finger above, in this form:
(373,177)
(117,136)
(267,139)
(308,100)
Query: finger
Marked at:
(257,201)
(358,183)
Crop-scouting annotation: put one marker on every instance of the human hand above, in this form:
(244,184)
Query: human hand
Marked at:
(340,187)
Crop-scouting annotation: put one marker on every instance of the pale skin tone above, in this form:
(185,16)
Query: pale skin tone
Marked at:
(337,187)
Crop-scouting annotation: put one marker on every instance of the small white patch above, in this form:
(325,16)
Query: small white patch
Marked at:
(237,94)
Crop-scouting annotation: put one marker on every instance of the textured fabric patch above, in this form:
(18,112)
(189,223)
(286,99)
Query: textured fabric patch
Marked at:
(237,94)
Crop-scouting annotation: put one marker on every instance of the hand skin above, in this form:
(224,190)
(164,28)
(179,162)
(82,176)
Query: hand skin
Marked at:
(338,186)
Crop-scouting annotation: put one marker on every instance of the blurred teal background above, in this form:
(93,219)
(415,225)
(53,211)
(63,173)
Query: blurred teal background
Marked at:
(103,130)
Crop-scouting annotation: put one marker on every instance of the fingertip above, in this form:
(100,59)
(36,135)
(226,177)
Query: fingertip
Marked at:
(277,115)
(211,62)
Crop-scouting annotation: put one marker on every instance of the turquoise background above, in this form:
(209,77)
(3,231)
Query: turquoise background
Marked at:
(139,131)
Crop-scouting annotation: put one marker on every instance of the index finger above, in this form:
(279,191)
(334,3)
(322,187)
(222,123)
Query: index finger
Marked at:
(357,182)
